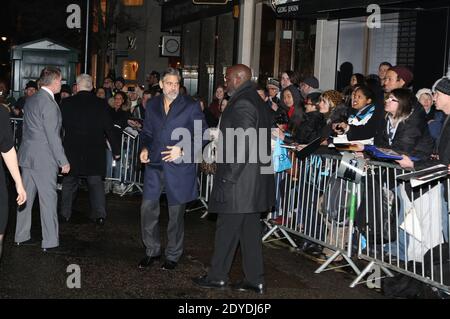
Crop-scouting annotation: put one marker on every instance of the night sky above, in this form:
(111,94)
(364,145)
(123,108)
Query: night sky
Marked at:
(29,20)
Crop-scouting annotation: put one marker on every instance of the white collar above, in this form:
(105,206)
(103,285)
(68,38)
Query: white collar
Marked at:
(48,91)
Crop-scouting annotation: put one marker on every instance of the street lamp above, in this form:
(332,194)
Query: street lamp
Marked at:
(4,39)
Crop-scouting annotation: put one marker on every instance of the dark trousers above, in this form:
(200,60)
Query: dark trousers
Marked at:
(231,230)
(150,211)
(96,196)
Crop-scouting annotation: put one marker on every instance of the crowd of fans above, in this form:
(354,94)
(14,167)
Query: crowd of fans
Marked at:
(382,107)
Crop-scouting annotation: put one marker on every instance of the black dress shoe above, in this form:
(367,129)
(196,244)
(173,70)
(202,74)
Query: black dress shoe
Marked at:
(29,242)
(169,265)
(100,221)
(56,250)
(147,261)
(205,282)
(246,286)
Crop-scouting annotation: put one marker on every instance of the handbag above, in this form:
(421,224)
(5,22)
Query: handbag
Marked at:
(281,161)
(209,166)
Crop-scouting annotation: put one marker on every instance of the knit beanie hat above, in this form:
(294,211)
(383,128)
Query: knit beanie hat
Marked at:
(443,86)
(404,73)
(423,91)
(273,83)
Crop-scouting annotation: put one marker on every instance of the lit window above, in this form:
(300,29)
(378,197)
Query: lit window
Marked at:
(130,69)
(132,3)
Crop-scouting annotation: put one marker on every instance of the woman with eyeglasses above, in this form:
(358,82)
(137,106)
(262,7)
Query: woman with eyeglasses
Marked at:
(405,128)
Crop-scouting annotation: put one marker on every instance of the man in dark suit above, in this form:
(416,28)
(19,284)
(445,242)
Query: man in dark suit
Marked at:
(243,187)
(169,155)
(41,154)
(86,120)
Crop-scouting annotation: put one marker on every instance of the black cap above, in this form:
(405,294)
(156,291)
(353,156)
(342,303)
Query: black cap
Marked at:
(120,79)
(31,84)
(131,89)
(312,82)
(66,88)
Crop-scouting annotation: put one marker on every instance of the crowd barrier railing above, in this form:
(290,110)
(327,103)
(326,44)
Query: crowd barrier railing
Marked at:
(129,170)
(381,221)
(378,225)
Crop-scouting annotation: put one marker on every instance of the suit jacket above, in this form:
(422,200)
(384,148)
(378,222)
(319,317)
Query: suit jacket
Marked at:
(41,146)
(242,185)
(183,126)
(86,120)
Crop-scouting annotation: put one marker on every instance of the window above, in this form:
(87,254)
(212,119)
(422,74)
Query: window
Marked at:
(133,3)
(130,69)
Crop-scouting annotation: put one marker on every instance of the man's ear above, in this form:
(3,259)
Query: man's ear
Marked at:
(161,84)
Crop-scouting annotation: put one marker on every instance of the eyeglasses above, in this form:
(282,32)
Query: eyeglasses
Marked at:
(393,99)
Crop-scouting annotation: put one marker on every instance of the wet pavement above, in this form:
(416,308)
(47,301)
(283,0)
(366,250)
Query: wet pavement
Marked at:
(108,256)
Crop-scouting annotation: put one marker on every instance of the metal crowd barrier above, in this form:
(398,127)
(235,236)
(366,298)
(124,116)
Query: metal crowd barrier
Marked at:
(130,170)
(131,173)
(380,225)
(380,220)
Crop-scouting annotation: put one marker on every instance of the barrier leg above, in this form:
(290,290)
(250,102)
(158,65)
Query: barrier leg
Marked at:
(366,270)
(325,265)
(274,231)
(130,187)
(203,206)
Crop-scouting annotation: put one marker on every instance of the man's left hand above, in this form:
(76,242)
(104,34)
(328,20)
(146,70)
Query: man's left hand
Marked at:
(172,154)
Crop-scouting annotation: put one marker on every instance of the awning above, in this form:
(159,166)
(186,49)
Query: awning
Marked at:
(332,9)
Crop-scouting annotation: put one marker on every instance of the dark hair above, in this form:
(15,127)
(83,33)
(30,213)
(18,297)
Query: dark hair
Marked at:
(261,88)
(406,101)
(314,97)
(297,118)
(124,97)
(147,92)
(48,75)
(183,90)
(360,80)
(201,100)
(156,74)
(367,92)
(299,114)
(385,64)
(294,77)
